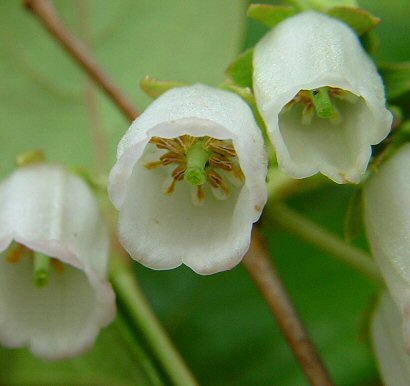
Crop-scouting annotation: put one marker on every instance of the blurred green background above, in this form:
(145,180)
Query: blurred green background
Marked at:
(219,323)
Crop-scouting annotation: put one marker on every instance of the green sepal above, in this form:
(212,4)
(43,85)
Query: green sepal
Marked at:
(354,216)
(370,41)
(321,5)
(30,157)
(154,87)
(396,78)
(270,15)
(240,71)
(359,19)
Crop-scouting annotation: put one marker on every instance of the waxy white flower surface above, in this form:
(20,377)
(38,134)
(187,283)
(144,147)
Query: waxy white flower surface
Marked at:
(390,350)
(44,209)
(312,53)
(387,219)
(201,226)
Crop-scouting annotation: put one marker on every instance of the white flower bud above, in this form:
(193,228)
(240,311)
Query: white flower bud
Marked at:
(320,97)
(190,180)
(49,220)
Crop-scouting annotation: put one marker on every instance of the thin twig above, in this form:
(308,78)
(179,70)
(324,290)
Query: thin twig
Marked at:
(257,260)
(47,14)
(262,270)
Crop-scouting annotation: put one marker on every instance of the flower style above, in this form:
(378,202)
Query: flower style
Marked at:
(386,331)
(387,218)
(190,181)
(320,97)
(53,256)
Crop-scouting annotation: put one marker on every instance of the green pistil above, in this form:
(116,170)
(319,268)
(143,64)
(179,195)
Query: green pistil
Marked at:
(322,102)
(196,159)
(41,269)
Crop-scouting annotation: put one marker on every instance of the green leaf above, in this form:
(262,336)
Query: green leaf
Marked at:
(240,71)
(359,19)
(270,15)
(396,78)
(354,217)
(154,88)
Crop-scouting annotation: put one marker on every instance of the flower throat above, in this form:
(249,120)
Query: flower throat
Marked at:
(199,161)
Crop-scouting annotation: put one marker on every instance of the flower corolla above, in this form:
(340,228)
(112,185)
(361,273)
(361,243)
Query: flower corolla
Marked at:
(387,219)
(320,96)
(54,296)
(189,181)
(391,354)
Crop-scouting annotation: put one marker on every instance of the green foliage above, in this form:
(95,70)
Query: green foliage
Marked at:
(116,360)
(359,19)
(270,15)
(396,78)
(240,70)
(354,217)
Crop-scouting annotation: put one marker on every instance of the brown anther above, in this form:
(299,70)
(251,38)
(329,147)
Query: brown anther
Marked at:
(57,265)
(16,252)
(336,92)
(216,181)
(219,146)
(171,187)
(186,141)
(200,194)
(302,97)
(169,158)
(177,175)
(220,161)
(178,172)
(152,165)
(166,143)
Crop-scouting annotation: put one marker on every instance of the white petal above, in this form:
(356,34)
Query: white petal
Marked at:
(394,362)
(387,218)
(164,231)
(306,52)
(53,212)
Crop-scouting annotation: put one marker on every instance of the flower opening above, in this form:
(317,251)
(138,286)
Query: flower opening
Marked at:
(199,161)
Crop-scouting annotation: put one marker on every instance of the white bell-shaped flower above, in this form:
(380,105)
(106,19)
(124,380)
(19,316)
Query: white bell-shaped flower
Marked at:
(54,296)
(387,219)
(189,181)
(320,96)
(389,347)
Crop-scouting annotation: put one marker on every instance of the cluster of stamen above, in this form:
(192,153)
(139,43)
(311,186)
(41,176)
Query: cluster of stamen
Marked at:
(319,101)
(198,160)
(41,263)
